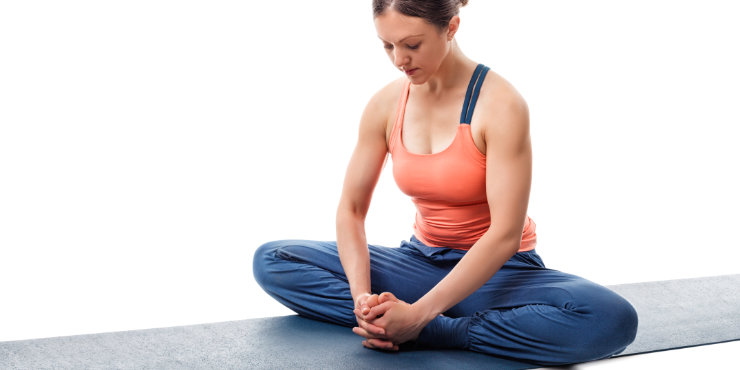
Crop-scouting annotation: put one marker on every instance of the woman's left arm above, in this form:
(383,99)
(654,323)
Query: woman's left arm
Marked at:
(508,182)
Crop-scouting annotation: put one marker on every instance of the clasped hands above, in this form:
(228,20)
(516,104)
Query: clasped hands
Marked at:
(386,321)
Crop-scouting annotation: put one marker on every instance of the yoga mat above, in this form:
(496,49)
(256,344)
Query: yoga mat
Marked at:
(673,314)
(683,313)
(286,342)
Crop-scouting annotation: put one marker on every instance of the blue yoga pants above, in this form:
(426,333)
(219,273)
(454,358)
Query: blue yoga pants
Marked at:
(525,311)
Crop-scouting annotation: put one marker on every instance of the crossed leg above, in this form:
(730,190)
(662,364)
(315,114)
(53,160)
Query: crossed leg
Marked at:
(525,311)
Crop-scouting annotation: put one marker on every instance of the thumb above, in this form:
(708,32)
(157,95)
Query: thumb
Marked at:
(387,297)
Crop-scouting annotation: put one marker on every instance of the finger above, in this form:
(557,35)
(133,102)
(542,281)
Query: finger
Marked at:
(364,333)
(359,313)
(379,344)
(369,303)
(361,332)
(382,344)
(378,310)
(361,299)
(387,297)
(371,328)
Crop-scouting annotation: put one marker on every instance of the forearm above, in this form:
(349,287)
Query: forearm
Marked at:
(478,265)
(353,252)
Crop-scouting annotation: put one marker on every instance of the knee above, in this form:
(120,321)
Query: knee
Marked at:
(264,258)
(621,319)
(274,263)
(612,325)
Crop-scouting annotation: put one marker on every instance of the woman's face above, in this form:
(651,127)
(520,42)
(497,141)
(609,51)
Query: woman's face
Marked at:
(412,44)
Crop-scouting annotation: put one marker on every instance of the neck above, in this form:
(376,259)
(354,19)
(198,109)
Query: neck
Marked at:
(451,73)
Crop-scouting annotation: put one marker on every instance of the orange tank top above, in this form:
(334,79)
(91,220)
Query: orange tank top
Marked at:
(448,187)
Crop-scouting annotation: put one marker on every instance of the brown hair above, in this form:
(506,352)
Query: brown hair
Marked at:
(436,12)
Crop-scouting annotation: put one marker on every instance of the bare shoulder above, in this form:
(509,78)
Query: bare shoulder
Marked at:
(505,114)
(389,94)
(381,108)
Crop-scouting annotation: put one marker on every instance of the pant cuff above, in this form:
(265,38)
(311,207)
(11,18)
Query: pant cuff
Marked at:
(445,332)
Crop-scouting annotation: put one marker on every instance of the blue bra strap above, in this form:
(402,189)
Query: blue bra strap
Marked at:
(471,96)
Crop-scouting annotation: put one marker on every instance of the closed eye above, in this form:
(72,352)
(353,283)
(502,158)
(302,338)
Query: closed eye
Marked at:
(412,47)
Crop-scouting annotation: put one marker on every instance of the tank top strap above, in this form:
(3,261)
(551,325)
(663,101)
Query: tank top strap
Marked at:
(471,95)
(400,110)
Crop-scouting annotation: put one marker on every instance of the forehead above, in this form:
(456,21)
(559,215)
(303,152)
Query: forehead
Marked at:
(393,26)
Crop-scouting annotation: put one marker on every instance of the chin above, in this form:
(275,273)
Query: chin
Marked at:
(417,79)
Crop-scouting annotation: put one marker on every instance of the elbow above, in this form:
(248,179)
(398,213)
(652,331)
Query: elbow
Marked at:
(351,209)
(513,245)
(348,212)
(508,240)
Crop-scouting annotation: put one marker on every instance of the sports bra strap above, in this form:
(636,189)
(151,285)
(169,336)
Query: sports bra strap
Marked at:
(471,95)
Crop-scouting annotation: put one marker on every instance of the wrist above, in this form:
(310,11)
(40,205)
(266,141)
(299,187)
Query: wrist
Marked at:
(425,310)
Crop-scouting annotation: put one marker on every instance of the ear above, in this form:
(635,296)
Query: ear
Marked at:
(453,27)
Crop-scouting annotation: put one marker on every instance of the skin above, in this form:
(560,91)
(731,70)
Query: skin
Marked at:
(500,129)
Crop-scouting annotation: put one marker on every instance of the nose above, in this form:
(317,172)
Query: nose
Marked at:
(400,59)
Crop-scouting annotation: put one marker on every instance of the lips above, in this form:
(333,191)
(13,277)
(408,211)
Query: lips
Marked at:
(410,71)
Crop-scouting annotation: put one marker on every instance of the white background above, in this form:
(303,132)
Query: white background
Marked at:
(147,148)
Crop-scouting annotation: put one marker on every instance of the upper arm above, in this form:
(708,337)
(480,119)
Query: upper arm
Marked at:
(508,165)
(369,154)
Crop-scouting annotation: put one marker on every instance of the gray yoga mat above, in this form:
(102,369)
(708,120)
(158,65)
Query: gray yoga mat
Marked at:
(683,313)
(673,314)
(285,342)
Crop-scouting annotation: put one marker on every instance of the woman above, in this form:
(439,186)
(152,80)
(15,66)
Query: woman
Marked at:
(469,277)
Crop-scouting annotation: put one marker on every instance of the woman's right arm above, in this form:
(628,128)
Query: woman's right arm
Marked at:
(360,179)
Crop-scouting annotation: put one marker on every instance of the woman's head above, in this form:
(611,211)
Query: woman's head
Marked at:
(436,12)
(417,34)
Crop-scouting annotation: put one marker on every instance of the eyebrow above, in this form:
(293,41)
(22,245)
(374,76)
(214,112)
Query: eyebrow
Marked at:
(410,36)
